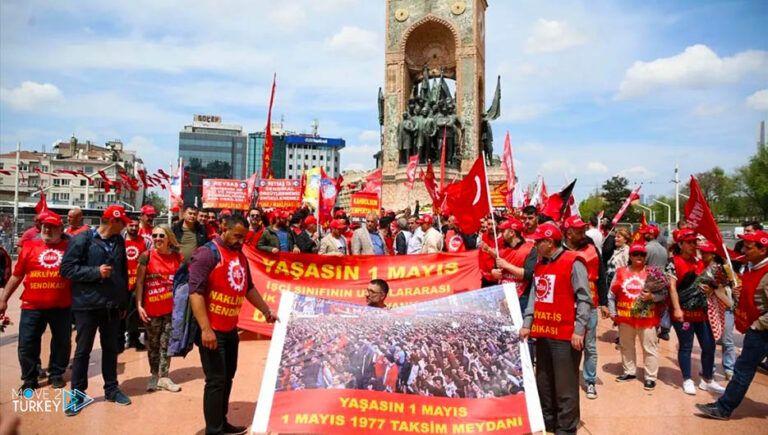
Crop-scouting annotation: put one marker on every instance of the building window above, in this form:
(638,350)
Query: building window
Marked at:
(82,197)
(290,156)
(2,165)
(82,182)
(88,169)
(290,167)
(314,157)
(306,156)
(321,158)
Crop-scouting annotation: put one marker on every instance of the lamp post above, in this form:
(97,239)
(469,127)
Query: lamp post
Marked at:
(650,210)
(669,214)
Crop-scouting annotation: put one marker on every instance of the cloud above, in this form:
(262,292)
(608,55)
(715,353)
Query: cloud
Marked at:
(287,15)
(524,113)
(698,67)
(708,110)
(637,172)
(369,136)
(552,35)
(596,168)
(758,100)
(29,96)
(358,156)
(354,41)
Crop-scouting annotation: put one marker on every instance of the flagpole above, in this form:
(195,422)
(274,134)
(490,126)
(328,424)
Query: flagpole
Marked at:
(170,200)
(16,195)
(490,205)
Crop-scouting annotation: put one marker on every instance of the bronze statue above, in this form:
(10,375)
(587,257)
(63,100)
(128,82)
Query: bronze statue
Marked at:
(493,112)
(405,134)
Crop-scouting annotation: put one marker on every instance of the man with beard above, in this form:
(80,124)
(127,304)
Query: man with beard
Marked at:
(376,293)
(135,245)
(255,227)
(531,221)
(147,218)
(217,288)
(202,219)
(307,240)
(189,232)
(278,237)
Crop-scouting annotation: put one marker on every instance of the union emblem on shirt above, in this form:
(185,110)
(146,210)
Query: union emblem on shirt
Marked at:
(236,275)
(545,288)
(50,258)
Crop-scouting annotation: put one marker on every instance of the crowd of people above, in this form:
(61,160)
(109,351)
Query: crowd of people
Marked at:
(455,354)
(117,277)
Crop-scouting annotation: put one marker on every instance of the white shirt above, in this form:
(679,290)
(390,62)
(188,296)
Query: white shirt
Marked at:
(597,237)
(415,242)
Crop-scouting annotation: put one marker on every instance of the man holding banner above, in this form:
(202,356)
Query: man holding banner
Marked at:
(561,282)
(219,282)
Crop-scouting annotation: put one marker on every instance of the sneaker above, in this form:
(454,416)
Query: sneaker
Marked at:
(234,430)
(649,385)
(136,344)
(689,387)
(57,382)
(728,375)
(763,365)
(119,398)
(711,410)
(625,377)
(29,385)
(74,408)
(168,385)
(711,386)
(664,334)
(152,385)
(591,391)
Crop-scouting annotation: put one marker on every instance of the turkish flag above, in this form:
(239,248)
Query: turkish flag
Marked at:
(410,171)
(42,205)
(699,217)
(470,200)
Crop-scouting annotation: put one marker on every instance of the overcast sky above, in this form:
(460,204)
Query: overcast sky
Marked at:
(590,88)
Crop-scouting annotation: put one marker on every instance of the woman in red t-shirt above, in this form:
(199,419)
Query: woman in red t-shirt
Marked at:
(154,302)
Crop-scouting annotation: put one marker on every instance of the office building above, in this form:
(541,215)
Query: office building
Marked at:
(211,149)
(761,136)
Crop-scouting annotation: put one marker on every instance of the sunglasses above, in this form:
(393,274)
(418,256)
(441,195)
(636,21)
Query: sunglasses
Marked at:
(158,236)
(638,254)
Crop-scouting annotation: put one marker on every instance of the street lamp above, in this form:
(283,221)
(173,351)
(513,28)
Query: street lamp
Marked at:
(669,214)
(650,210)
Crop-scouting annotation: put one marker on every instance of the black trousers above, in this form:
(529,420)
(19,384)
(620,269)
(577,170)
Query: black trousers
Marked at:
(31,328)
(131,323)
(557,378)
(219,366)
(87,322)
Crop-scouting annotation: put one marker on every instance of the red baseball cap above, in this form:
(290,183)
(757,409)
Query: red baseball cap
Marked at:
(337,224)
(42,215)
(283,214)
(225,212)
(52,219)
(686,235)
(707,246)
(426,219)
(512,224)
(148,210)
(637,247)
(339,214)
(547,230)
(310,220)
(650,229)
(116,212)
(574,222)
(760,237)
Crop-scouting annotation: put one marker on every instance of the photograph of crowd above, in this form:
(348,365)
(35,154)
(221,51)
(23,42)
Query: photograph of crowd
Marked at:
(462,346)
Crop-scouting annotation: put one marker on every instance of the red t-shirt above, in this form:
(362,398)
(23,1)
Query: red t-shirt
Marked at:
(72,231)
(146,233)
(44,287)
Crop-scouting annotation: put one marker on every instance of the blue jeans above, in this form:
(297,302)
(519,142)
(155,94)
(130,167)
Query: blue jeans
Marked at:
(729,348)
(590,349)
(31,328)
(754,350)
(706,341)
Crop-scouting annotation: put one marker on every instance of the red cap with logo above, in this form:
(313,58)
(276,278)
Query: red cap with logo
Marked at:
(310,220)
(547,230)
(637,247)
(116,212)
(574,222)
(148,210)
(426,219)
(52,219)
(650,229)
(760,237)
(339,214)
(337,224)
(707,246)
(512,224)
(686,235)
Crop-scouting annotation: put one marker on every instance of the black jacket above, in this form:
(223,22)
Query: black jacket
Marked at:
(306,244)
(200,233)
(80,265)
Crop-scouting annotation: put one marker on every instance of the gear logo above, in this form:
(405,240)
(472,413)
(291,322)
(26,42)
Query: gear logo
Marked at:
(132,252)
(633,286)
(545,288)
(236,275)
(455,243)
(50,258)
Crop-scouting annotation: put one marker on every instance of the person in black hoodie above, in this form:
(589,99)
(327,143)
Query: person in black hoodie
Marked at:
(96,263)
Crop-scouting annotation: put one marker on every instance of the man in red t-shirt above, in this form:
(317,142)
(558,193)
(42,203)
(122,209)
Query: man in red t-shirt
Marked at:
(46,300)
(135,245)
(31,233)
(147,219)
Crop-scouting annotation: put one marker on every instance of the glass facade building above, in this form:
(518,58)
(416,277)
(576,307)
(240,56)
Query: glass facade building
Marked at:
(291,153)
(256,151)
(211,149)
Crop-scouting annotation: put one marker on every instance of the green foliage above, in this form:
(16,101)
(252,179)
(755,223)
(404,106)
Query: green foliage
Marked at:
(753,181)
(592,205)
(615,192)
(156,201)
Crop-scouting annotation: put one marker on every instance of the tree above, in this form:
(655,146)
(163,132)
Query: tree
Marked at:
(615,192)
(754,182)
(718,188)
(157,201)
(591,205)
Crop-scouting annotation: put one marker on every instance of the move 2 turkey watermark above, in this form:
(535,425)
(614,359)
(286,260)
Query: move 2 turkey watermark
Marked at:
(44,400)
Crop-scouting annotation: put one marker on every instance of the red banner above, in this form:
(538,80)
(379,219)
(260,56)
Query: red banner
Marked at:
(699,217)
(499,196)
(219,193)
(362,203)
(411,278)
(279,193)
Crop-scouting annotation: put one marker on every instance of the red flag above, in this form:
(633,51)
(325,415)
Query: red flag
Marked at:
(327,192)
(107,183)
(267,156)
(373,182)
(42,205)
(143,177)
(509,169)
(410,171)
(469,200)
(303,183)
(638,236)
(164,175)
(5,172)
(632,197)
(699,217)
(557,205)
(431,184)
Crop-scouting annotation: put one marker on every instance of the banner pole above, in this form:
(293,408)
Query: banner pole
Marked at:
(170,197)
(490,206)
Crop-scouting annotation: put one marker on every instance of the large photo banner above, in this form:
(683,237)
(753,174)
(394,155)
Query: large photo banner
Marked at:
(219,193)
(453,365)
(279,193)
(411,278)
